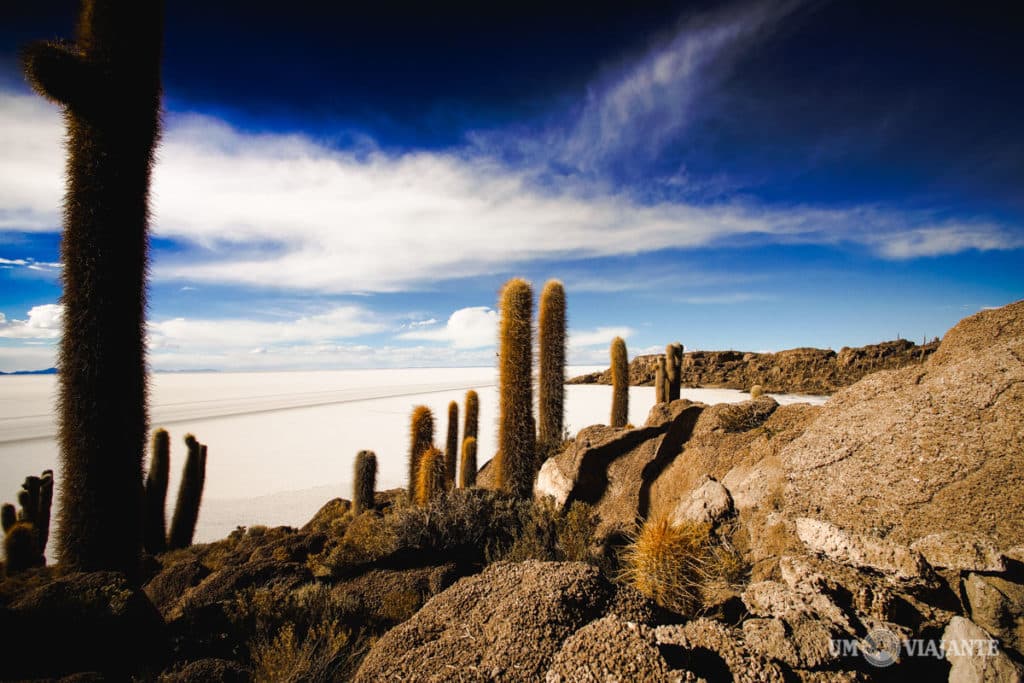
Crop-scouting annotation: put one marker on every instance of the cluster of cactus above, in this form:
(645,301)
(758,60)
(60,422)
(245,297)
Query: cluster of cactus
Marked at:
(422,484)
(620,383)
(108,84)
(26,531)
(190,494)
(364,481)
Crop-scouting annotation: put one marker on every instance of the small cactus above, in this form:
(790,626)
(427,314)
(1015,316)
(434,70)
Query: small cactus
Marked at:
(467,469)
(674,369)
(365,481)
(20,549)
(620,383)
(659,381)
(34,499)
(756,391)
(190,494)
(472,415)
(515,466)
(9,516)
(421,438)
(551,381)
(430,482)
(156,493)
(451,445)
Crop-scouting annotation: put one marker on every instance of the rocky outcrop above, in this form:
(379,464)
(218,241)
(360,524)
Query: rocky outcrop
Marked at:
(797,371)
(611,649)
(975,657)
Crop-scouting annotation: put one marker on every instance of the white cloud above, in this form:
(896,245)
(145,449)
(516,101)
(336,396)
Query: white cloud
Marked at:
(467,328)
(43,323)
(29,263)
(601,336)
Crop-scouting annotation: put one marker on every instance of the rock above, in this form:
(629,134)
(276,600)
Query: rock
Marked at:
(611,649)
(166,588)
(393,595)
(709,503)
(330,511)
(714,652)
(743,416)
(802,644)
(997,605)
(551,481)
(859,550)
(505,624)
(223,585)
(960,551)
(975,656)
(209,671)
(82,622)
(926,449)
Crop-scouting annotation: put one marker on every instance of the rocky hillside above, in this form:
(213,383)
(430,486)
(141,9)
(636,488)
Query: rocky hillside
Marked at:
(797,371)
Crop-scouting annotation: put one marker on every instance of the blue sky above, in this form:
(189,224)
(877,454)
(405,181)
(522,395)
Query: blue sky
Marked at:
(350,188)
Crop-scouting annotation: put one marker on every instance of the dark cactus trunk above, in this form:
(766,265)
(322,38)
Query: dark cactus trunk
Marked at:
(620,383)
(190,496)
(156,493)
(451,445)
(365,481)
(109,86)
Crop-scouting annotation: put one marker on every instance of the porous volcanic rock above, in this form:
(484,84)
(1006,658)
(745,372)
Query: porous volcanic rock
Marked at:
(611,649)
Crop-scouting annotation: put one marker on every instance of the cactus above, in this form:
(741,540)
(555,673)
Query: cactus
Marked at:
(467,468)
(34,499)
(156,493)
(516,438)
(620,383)
(472,415)
(365,481)
(43,516)
(190,495)
(421,439)
(20,549)
(551,384)
(756,391)
(9,516)
(674,369)
(108,84)
(659,381)
(451,445)
(430,482)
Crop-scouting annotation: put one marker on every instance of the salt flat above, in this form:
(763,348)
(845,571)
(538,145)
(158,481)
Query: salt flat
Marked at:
(281,444)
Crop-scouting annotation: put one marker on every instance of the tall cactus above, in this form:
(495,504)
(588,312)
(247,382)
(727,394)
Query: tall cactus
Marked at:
(620,383)
(421,438)
(659,381)
(472,415)
(516,438)
(108,83)
(364,481)
(190,495)
(674,369)
(430,482)
(467,468)
(551,384)
(451,445)
(156,493)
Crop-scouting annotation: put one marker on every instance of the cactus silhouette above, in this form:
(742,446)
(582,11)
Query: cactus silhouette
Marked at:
(659,381)
(421,438)
(20,550)
(34,499)
(108,84)
(620,383)
(430,482)
(674,369)
(190,495)
(467,468)
(516,439)
(472,415)
(551,384)
(364,482)
(451,445)
(9,516)
(156,493)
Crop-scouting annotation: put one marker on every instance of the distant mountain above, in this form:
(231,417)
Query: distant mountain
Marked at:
(47,371)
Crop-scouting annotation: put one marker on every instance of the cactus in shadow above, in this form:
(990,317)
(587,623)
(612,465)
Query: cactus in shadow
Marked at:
(451,445)
(421,438)
(190,495)
(34,500)
(20,549)
(156,493)
(9,516)
(467,468)
(430,482)
(108,84)
(516,438)
(620,383)
(659,381)
(551,383)
(674,369)
(472,415)
(364,482)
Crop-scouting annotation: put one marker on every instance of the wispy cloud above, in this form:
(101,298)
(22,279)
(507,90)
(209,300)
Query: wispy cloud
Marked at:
(601,336)
(467,328)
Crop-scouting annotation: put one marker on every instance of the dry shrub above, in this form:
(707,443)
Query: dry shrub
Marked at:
(742,417)
(545,533)
(462,524)
(365,539)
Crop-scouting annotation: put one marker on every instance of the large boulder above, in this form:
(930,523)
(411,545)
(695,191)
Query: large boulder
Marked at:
(715,652)
(997,605)
(975,656)
(505,624)
(611,649)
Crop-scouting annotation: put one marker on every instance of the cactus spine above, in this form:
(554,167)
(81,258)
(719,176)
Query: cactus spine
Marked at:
(551,384)
(190,494)
(467,469)
(472,415)
(430,482)
(451,445)
(108,84)
(421,439)
(674,369)
(620,383)
(364,482)
(516,437)
(156,493)
(659,381)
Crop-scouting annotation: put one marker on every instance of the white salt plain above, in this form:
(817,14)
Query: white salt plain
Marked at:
(282,444)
